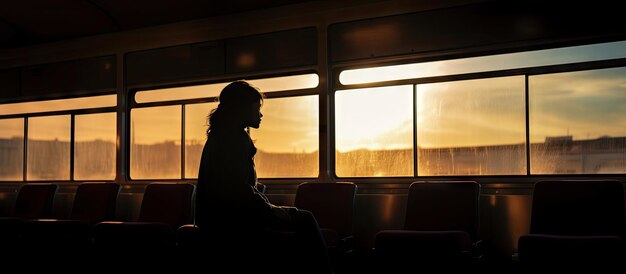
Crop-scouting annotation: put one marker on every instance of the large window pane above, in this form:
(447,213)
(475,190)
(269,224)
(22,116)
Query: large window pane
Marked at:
(94,146)
(474,127)
(374,132)
(577,122)
(11,149)
(155,143)
(48,148)
(288,139)
(195,135)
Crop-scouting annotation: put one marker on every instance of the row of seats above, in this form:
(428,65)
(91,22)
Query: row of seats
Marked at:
(570,219)
(164,208)
(576,223)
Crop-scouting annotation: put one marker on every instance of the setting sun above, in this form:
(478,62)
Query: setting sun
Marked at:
(374,118)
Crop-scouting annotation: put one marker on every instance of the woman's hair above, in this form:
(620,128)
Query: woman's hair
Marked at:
(235,102)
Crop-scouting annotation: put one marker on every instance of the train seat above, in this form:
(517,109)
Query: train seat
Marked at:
(575,223)
(93,203)
(441,225)
(33,201)
(332,204)
(164,208)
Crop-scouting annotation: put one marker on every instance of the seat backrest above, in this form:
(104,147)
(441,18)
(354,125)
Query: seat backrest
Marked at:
(95,202)
(443,205)
(578,208)
(167,203)
(332,204)
(35,201)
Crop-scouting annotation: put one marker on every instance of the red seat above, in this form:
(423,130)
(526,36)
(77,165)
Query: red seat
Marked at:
(441,226)
(164,208)
(93,203)
(332,204)
(575,223)
(33,201)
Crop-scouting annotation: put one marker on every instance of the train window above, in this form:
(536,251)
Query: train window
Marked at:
(471,127)
(485,63)
(48,148)
(155,151)
(195,135)
(179,93)
(59,105)
(11,149)
(374,132)
(577,122)
(94,146)
(289,133)
(295,82)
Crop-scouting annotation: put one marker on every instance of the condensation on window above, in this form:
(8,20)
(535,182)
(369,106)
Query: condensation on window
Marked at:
(288,139)
(155,140)
(472,127)
(577,123)
(374,132)
(48,148)
(94,146)
(196,125)
(11,149)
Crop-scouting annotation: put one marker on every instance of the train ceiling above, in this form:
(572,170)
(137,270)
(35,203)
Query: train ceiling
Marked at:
(29,22)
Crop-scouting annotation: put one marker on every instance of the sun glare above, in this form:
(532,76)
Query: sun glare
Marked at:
(374,118)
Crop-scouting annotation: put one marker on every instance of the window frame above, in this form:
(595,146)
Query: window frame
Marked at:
(526,72)
(133,104)
(72,113)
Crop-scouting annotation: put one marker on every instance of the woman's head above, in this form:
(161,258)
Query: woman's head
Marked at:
(239,107)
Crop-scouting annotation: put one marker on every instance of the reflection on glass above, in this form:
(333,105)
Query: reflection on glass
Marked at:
(577,122)
(57,105)
(48,148)
(94,146)
(374,132)
(11,149)
(155,143)
(526,59)
(195,135)
(288,139)
(473,127)
(294,82)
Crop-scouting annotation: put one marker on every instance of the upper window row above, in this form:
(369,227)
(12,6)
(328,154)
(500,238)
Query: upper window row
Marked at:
(527,59)
(59,105)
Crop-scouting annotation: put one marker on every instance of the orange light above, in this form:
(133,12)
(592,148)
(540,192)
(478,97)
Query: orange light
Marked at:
(295,82)
(58,105)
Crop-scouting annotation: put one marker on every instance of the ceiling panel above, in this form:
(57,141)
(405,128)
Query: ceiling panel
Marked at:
(27,22)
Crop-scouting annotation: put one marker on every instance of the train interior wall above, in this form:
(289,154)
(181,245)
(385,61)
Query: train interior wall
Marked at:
(505,203)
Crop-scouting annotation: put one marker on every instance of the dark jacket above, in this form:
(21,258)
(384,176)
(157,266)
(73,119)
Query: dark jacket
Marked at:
(226,197)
